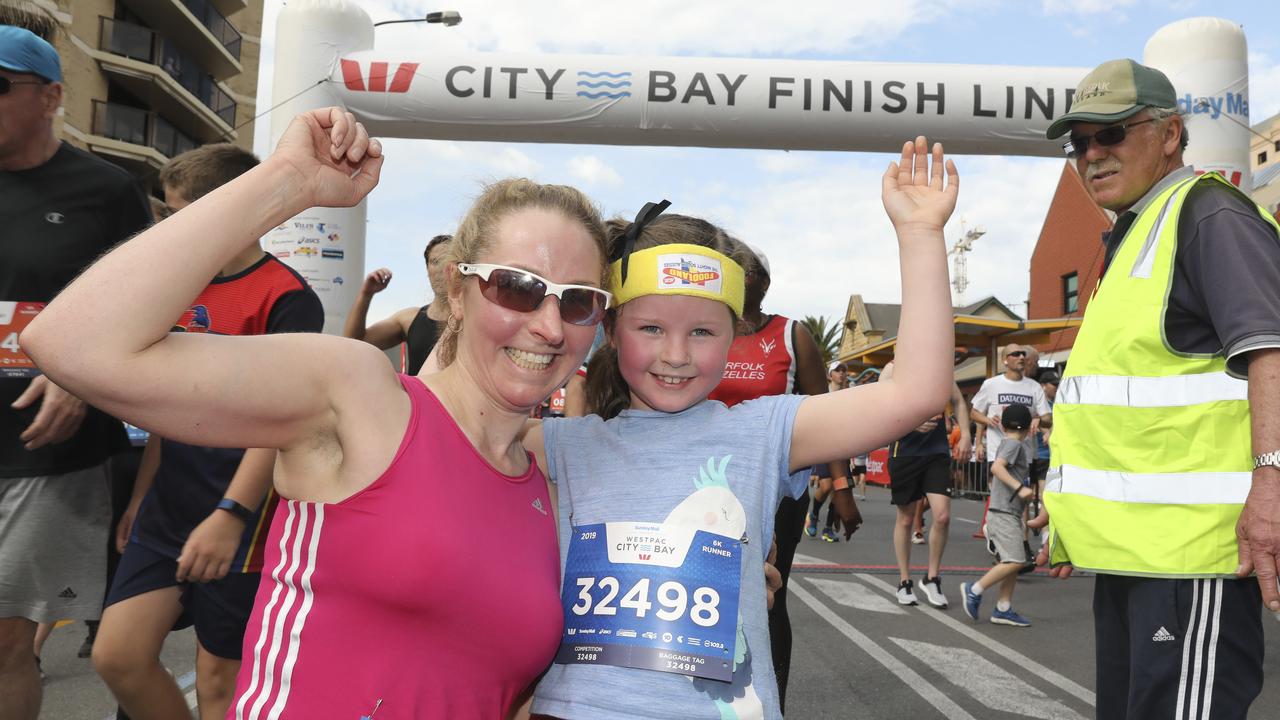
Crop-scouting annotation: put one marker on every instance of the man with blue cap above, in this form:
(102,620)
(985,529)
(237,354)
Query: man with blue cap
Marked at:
(60,208)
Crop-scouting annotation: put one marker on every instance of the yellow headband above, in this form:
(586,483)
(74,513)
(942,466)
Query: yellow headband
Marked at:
(679,269)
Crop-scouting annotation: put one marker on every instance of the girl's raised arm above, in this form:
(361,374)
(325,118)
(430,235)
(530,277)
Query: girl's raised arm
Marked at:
(918,202)
(107,339)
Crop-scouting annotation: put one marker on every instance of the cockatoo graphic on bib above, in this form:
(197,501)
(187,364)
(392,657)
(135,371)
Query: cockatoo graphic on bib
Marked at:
(714,508)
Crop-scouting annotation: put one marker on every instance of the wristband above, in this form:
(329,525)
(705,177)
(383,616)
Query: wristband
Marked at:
(840,483)
(236,509)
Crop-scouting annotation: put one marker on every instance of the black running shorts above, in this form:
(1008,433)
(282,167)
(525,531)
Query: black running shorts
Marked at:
(219,610)
(913,476)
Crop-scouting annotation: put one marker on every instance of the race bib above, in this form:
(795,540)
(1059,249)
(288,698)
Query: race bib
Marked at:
(14,318)
(651,596)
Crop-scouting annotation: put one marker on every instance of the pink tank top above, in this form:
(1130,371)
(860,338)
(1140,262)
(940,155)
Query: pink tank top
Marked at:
(435,590)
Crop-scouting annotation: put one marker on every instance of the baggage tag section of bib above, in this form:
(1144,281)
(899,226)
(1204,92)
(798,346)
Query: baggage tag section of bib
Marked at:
(14,318)
(651,596)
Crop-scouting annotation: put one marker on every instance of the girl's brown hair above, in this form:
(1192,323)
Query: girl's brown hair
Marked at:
(475,234)
(607,391)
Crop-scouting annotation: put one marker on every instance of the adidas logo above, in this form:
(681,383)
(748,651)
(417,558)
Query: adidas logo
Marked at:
(67,594)
(1162,635)
(537,505)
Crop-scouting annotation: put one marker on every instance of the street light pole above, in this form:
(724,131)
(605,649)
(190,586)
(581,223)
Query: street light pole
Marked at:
(448,18)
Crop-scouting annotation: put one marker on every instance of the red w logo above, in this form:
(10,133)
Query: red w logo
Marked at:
(645,556)
(354,79)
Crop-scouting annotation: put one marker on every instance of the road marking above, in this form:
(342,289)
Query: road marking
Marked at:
(1008,653)
(957,517)
(802,559)
(909,677)
(857,596)
(989,684)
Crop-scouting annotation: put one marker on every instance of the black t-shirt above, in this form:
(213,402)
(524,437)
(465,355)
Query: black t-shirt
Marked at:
(55,220)
(1225,294)
(269,297)
(421,338)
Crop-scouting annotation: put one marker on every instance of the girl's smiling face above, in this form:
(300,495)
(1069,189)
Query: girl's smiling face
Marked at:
(672,349)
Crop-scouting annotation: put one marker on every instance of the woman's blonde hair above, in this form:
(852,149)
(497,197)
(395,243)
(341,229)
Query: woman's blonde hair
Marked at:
(499,199)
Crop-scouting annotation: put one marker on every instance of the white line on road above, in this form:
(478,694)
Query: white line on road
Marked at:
(957,517)
(989,684)
(857,596)
(909,677)
(1000,648)
(802,559)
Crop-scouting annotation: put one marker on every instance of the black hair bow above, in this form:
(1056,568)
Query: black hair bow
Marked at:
(647,214)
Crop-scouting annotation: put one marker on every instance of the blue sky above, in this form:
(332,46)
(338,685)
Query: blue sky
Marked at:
(817,215)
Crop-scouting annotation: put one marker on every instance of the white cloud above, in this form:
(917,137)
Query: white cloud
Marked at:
(1264,87)
(1087,7)
(782,162)
(592,171)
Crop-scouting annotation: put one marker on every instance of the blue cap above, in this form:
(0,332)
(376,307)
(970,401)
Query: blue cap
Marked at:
(23,51)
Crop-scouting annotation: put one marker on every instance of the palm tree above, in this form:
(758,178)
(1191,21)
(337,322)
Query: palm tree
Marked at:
(828,338)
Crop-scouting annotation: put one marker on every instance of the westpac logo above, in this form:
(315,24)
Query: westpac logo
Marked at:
(353,77)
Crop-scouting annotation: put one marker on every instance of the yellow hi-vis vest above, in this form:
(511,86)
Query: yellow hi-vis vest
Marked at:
(1150,451)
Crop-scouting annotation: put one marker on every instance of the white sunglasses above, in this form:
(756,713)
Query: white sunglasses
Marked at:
(523,291)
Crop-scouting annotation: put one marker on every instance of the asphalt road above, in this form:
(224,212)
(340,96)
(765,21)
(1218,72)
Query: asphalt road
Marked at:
(857,653)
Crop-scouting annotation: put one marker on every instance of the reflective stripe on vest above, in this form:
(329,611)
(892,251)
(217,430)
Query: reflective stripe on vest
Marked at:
(1202,488)
(1151,447)
(1149,392)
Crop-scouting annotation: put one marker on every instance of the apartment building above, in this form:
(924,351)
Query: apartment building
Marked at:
(148,79)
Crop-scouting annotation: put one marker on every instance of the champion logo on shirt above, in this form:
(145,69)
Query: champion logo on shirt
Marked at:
(537,505)
(1162,635)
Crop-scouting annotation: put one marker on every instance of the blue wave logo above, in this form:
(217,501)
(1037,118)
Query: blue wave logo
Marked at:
(603,84)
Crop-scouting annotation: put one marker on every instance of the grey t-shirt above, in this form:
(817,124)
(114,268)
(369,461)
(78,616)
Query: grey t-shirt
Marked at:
(1004,498)
(1225,294)
(646,466)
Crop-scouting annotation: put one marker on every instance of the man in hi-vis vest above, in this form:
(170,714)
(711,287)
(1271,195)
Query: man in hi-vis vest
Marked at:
(1165,469)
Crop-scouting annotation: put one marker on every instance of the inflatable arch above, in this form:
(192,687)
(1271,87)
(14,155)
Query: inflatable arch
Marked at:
(325,56)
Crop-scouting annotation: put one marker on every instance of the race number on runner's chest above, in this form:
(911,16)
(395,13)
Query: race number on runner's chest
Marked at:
(651,596)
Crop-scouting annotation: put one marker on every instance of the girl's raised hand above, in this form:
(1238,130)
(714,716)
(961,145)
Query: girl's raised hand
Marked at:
(914,193)
(335,161)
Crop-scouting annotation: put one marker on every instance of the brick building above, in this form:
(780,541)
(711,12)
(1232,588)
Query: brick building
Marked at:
(1066,261)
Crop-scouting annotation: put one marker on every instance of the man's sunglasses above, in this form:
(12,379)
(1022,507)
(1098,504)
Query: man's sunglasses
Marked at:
(6,84)
(1106,137)
(1017,353)
(522,291)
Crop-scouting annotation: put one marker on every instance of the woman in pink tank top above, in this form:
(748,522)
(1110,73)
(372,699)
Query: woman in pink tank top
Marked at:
(378,595)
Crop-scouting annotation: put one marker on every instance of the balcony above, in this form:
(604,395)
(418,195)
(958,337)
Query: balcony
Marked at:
(166,78)
(136,135)
(199,29)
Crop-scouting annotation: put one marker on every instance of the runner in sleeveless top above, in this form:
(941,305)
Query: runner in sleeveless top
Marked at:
(775,355)
(667,498)
(374,594)
(417,328)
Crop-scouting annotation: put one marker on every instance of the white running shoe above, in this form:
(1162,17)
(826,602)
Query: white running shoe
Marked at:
(906,594)
(933,592)
(917,539)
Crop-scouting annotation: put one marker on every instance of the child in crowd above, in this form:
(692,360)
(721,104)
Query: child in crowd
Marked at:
(667,500)
(193,536)
(1006,527)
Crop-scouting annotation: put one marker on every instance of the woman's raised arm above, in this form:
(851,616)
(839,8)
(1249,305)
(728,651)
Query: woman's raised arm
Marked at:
(106,337)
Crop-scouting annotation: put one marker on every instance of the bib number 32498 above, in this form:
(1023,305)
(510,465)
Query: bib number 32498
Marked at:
(645,595)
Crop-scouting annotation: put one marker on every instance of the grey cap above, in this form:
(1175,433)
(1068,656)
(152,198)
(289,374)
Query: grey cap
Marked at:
(1113,91)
